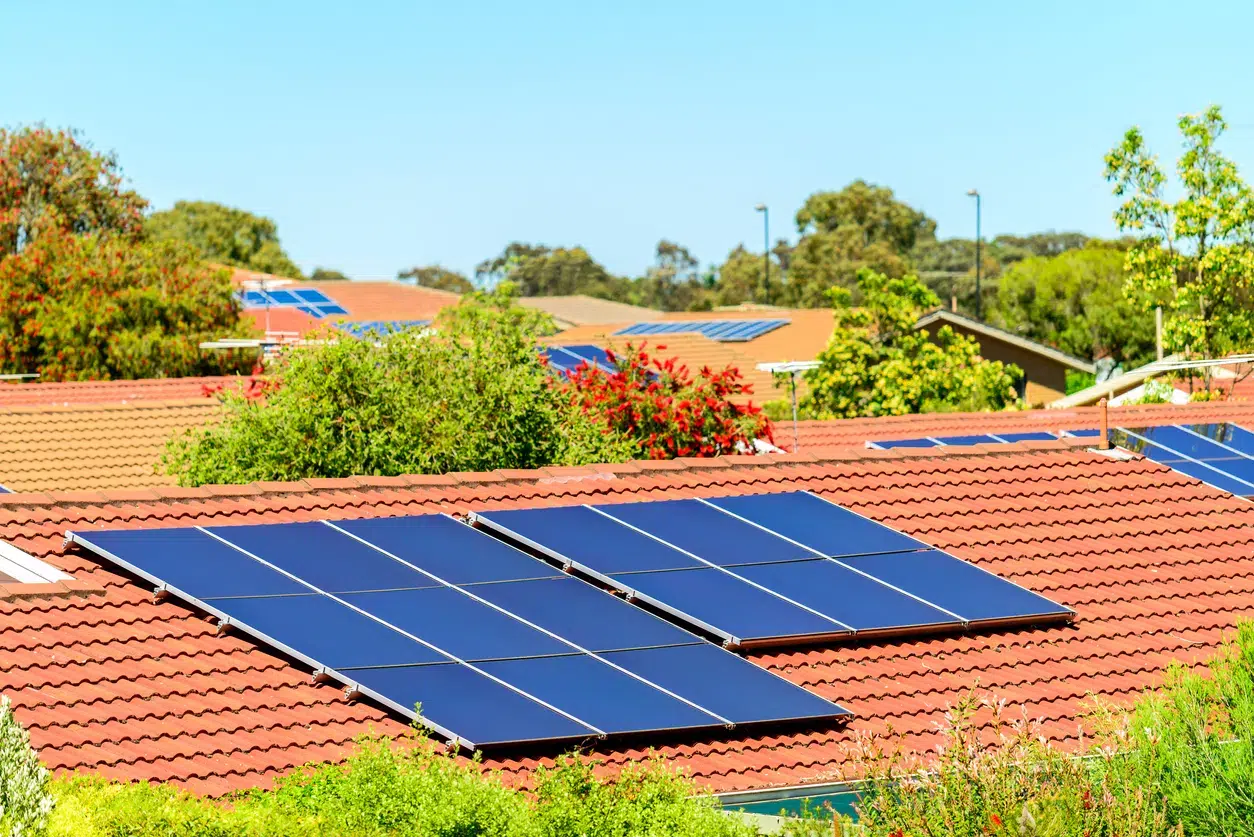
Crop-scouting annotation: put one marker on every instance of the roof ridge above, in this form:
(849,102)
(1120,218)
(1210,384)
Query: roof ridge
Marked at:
(539,476)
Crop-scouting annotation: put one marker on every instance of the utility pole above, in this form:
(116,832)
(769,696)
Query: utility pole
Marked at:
(766,251)
(979,299)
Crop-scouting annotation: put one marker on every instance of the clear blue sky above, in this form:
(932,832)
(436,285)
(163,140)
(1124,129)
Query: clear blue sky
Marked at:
(382,135)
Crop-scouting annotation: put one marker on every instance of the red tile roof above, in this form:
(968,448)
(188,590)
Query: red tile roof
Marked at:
(844,434)
(77,393)
(1157,566)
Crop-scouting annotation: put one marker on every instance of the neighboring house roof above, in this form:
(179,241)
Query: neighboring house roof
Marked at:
(952,318)
(843,434)
(92,447)
(1157,566)
(580,310)
(70,393)
(364,301)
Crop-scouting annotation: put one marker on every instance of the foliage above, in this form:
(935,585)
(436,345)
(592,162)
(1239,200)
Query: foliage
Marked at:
(474,396)
(389,789)
(663,410)
(323,274)
(1193,740)
(996,775)
(1154,391)
(1076,302)
(1077,380)
(543,271)
(224,235)
(1194,256)
(877,364)
(92,307)
(742,278)
(672,283)
(25,799)
(54,173)
(437,277)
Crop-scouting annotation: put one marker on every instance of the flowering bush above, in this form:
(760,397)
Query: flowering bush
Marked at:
(25,799)
(663,410)
(99,307)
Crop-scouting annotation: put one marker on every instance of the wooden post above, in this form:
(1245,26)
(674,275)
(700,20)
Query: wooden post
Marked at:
(1105,445)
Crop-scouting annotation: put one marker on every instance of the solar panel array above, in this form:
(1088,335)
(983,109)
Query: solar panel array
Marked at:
(568,358)
(1221,455)
(978,439)
(768,569)
(725,331)
(309,300)
(497,646)
(379,328)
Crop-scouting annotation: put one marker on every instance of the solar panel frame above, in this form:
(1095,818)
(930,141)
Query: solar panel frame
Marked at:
(726,331)
(312,295)
(1204,472)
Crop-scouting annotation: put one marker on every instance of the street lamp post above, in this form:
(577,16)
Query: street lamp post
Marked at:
(979,300)
(766,251)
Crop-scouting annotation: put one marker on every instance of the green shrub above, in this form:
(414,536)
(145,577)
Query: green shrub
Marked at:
(1077,380)
(388,789)
(24,796)
(475,396)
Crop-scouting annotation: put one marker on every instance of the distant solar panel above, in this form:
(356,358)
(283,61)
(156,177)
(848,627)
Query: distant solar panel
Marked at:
(379,328)
(727,331)
(568,358)
(976,439)
(311,301)
(497,647)
(772,568)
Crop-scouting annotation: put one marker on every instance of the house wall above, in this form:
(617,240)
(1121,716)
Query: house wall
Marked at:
(1047,378)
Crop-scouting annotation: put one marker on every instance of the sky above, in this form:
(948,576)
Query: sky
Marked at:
(385,135)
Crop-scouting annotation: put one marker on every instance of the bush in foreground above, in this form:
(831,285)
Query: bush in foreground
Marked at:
(24,796)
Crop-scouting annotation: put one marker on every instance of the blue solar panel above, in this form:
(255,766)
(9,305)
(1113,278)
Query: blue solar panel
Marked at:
(722,330)
(452,551)
(592,354)
(1039,436)
(579,535)
(457,623)
(482,672)
(862,603)
(312,295)
(284,298)
(4,490)
(983,439)
(1232,435)
(707,532)
(461,702)
(823,526)
(311,310)
(729,606)
(331,309)
(573,609)
(601,695)
(905,443)
(958,586)
(376,328)
(702,674)
(255,298)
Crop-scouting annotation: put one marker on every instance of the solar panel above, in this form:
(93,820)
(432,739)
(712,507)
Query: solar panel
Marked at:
(497,647)
(727,331)
(284,298)
(889,444)
(331,310)
(771,568)
(311,301)
(568,358)
(312,295)
(374,328)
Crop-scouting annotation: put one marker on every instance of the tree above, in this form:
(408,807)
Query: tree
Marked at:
(473,396)
(1193,256)
(224,235)
(323,274)
(673,283)
(98,307)
(878,364)
(664,410)
(1075,302)
(542,271)
(741,279)
(45,172)
(861,226)
(437,277)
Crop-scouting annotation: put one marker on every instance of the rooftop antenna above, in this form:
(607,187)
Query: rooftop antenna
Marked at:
(791,368)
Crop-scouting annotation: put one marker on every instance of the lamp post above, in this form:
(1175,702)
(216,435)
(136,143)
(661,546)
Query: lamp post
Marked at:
(979,300)
(766,251)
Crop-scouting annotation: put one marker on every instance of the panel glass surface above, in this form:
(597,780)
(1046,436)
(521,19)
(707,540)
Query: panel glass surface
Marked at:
(456,623)
(824,527)
(956,585)
(580,535)
(862,603)
(707,532)
(193,562)
(963,441)
(729,605)
(701,674)
(906,443)
(312,295)
(328,632)
(1040,436)
(600,694)
(592,619)
(284,298)
(471,705)
(324,557)
(453,551)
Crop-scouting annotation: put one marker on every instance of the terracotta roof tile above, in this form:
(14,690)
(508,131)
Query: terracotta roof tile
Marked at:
(1157,565)
(79,393)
